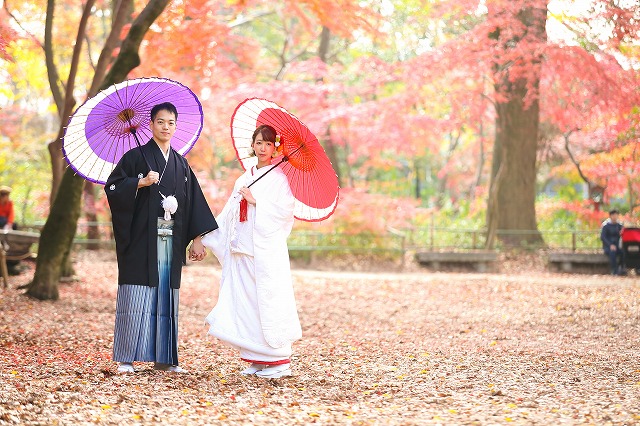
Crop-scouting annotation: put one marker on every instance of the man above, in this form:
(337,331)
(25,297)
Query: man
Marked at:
(7,215)
(157,208)
(610,236)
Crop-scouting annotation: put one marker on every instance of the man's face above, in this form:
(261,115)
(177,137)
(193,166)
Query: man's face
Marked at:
(614,218)
(164,126)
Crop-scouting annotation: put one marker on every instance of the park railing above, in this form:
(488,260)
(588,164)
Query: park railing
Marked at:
(394,242)
(436,238)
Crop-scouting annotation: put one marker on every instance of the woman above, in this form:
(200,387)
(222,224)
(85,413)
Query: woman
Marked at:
(256,309)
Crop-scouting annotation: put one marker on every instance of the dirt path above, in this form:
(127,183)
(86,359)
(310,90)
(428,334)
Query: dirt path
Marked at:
(383,348)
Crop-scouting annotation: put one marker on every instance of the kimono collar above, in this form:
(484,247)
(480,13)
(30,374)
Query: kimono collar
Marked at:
(255,171)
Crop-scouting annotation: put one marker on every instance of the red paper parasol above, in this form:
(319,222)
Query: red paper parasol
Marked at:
(311,176)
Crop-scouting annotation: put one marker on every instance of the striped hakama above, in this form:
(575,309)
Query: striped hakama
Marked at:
(146,326)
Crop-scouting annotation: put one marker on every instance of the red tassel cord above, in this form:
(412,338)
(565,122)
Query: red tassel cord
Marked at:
(244,206)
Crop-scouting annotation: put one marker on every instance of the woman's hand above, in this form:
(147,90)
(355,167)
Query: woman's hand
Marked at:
(247,195)
(197,251)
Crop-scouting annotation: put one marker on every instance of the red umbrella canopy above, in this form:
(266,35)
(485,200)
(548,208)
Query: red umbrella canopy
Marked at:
(311,177)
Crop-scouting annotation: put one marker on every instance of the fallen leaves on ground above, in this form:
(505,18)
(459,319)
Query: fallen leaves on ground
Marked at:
(383,348)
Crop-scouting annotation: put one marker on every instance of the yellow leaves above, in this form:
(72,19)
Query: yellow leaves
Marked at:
(314,414)
(185,412)
(453,411)
(260,412)
(106,407)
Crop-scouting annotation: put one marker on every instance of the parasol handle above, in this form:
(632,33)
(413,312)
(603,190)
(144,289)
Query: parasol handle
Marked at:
(135,136)
(284,158)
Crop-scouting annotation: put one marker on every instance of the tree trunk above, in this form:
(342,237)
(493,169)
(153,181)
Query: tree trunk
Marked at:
(55,147)
(511,205)
(93,232)
(57,162)
(332,152)
(56,238)
(481,157)
(416,171)
(52,70)
(442,183)
(57,235)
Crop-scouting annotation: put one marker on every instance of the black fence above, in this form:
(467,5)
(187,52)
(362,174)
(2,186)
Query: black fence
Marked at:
(394,242)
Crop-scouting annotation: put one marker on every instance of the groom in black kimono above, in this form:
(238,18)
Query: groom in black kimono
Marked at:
(157,209)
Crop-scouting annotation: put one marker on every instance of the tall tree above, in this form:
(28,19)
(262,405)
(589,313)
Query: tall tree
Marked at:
(521,38)
(59,230)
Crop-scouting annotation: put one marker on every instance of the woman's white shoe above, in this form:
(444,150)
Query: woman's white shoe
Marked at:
(253,369)
(275,371)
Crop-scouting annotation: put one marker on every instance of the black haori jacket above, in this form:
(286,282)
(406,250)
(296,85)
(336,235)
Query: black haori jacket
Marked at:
(134,214)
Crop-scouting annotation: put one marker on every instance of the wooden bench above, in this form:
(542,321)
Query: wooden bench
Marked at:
(567,262)
(15,246)
(479,259)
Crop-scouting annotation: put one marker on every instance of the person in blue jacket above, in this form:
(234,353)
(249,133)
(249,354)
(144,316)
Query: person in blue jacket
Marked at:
(610,236)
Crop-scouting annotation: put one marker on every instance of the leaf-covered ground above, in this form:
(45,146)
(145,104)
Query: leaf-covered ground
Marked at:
(383,348)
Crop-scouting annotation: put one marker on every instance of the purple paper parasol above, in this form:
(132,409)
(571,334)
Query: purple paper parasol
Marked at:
(100,131)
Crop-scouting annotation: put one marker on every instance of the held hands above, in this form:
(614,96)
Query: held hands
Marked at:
(247,195)
(151,178)
(197,252)
(613,247)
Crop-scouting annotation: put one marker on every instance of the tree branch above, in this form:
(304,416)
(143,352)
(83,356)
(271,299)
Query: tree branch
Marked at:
(120,18)
(128,57)
(239,22)
(12,16)
(573,160)
(52,70)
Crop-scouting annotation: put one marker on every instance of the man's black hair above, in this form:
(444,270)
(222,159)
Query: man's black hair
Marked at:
(166,106)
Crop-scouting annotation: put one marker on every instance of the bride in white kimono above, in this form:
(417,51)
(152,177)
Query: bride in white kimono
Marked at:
(256,309)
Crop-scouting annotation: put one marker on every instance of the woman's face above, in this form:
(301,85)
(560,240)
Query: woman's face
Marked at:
(263,149)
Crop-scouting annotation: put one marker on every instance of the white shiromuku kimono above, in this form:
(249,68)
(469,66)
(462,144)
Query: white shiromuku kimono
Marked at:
(256,309)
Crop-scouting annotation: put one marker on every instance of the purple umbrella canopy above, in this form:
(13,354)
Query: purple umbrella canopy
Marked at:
(105,126)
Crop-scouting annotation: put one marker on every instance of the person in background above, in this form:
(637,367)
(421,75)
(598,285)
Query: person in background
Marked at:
(7,216)
(610,236)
